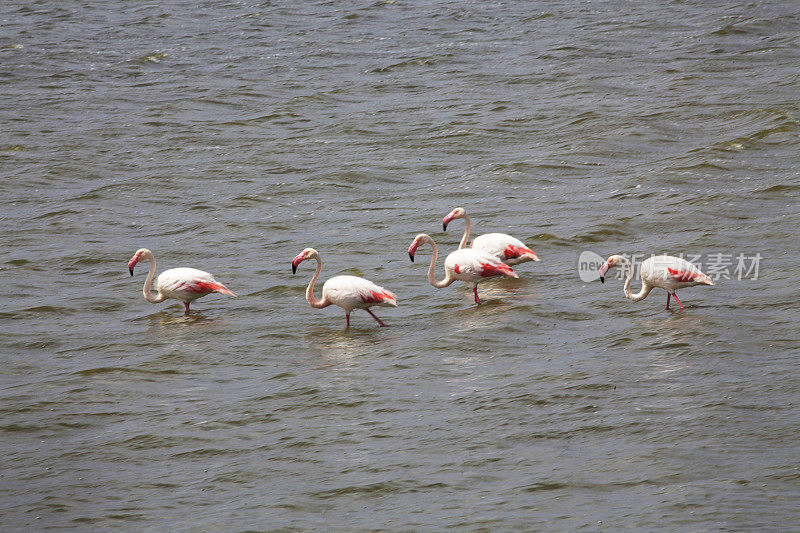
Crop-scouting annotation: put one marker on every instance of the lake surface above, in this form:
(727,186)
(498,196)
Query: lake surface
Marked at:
(228,136)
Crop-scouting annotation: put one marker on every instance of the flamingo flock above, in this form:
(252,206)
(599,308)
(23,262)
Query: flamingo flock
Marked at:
(489,256)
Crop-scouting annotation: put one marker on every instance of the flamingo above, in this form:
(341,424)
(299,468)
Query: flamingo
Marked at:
(467,264)
(348,292)
(664,271)
(506,248)
(184,284)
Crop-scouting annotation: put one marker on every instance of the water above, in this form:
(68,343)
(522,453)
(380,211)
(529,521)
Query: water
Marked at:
(230,136)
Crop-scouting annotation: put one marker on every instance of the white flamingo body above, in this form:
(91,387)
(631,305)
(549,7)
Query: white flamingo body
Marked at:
(472,266)
(506,248)
(353,292)
(184,284)
(466,264)
(348,292)
(663,271)
(672,273)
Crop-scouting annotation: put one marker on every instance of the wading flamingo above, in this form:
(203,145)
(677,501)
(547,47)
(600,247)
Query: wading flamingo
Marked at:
(664,271)
(506,248)
(348,292)
(468,264)
(184,284)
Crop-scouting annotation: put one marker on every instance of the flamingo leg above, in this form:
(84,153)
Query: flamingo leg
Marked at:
(475,290)
(668,297)
(376,318)
(676,299)
(347,316)
(186,305)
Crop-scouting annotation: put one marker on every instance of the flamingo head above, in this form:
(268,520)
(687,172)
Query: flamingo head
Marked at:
(418,240)
(458,212)
(308,253)
(141,253)
(612,261)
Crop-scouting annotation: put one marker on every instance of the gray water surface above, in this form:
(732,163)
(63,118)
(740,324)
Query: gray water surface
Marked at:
(228,136)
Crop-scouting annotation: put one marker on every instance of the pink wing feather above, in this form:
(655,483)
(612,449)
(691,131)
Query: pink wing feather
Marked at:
(512,251)
(376,297)
(686,276)
(496,269)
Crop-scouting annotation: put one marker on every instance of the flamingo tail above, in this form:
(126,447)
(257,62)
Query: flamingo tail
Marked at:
(220,288)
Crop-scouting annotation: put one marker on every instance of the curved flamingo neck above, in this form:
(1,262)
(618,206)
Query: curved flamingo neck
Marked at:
(319,304)
(431,278)
(467,230)
(148,283)
(642,294)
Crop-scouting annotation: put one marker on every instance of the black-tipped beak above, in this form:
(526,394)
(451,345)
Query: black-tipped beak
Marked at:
(444,226)
(131,271)
(411,256)
(602,279)
(294,268)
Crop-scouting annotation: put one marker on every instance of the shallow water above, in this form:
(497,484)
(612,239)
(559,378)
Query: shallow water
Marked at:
(230,136)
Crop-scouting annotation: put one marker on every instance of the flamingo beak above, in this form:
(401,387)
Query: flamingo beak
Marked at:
(446,221)
(296,261)
(603,270)
(132,263)
(412,250)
